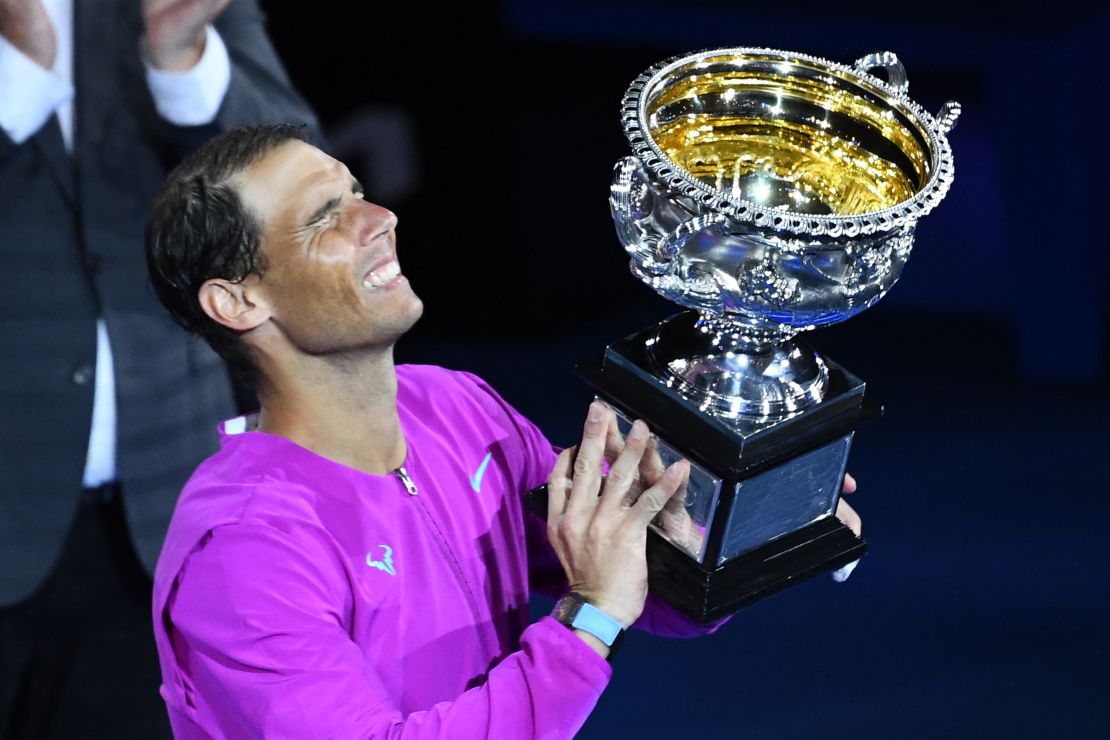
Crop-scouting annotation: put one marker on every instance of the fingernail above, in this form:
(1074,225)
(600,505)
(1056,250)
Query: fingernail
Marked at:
(840,575)
(596,412)
(638,430)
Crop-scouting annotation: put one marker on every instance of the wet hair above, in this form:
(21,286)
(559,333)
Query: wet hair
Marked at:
(199,229)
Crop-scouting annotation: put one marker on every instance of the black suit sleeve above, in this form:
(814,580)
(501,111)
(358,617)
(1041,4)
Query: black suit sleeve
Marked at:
(7,146)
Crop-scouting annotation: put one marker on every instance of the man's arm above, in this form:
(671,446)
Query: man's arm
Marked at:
(597,530)
(29,91)
(186,81)
(260,618)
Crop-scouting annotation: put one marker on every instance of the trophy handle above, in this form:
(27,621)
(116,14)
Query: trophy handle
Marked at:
(671,245)
(886,61)
(947,116)
(642,246)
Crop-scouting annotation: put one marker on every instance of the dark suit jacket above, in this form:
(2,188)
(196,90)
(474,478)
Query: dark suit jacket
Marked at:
(71,249)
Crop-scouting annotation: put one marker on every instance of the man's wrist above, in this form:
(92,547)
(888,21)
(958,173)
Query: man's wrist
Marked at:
(596,627)
(33,35)
(176,59)
(595,644)
(31,94)
(193,97)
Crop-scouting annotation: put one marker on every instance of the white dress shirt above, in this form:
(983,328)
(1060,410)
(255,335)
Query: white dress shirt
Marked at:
(30,94)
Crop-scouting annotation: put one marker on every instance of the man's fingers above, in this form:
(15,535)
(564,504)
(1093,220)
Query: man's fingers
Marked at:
(623,471)
(614,440)
(848,515)
(677,502)
(652,501)
(651,465)
(558,483)
(586,480)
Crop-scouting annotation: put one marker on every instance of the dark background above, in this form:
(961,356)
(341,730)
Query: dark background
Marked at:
(982,608)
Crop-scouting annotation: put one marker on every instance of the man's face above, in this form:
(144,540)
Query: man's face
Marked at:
(332,280)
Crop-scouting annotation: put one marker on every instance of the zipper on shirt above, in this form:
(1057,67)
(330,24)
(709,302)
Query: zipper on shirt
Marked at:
(449,556)
(404,476)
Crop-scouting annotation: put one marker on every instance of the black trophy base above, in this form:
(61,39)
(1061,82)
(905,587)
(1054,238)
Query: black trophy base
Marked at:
(706,595)
(771,523)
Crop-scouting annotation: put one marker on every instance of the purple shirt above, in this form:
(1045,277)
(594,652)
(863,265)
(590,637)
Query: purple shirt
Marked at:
(296,597)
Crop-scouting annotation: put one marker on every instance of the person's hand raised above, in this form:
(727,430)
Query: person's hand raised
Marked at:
(174,39)
(25,24)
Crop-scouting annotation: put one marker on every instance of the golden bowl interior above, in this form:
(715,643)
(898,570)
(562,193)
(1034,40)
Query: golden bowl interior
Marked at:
(789,134)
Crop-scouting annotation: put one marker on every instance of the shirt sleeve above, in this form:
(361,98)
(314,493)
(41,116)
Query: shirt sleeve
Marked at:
(29,93)
(193,97)
(258,617)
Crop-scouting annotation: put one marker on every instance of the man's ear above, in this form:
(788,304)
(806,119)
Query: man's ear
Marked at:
(234,305)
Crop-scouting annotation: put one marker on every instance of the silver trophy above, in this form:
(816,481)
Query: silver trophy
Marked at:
(769,193)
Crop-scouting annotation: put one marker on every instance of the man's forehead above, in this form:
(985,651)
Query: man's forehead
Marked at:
(286,176)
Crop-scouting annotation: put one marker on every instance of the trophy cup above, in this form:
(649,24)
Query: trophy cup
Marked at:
(768,193)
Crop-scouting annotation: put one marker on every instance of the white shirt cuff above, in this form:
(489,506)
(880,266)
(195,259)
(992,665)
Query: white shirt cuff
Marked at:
(840,575)
(29,94)
(193,98)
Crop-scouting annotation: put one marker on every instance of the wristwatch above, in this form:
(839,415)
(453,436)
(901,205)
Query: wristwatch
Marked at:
(578,614)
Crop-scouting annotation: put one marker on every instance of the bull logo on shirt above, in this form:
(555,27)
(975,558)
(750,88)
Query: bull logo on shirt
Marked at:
(386,563)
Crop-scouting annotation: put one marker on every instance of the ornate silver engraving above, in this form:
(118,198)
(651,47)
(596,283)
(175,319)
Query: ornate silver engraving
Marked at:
(773,192)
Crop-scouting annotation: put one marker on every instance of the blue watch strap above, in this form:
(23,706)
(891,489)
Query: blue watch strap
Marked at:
(599,624)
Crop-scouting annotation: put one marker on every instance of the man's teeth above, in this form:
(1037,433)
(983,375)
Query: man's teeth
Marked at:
(382,275)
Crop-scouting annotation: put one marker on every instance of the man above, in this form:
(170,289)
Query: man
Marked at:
(355,561)
(101,397)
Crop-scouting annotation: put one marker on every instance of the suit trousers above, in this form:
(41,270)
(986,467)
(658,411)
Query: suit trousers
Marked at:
(77,659)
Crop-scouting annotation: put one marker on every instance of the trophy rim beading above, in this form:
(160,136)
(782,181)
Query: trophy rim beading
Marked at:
(677,178)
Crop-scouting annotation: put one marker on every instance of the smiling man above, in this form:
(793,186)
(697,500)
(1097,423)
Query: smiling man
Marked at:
(355,561)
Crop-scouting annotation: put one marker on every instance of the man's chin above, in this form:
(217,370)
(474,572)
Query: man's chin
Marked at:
(416,315)
(406,320)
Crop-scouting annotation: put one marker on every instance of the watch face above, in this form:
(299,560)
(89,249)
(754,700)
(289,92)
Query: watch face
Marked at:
(566,609)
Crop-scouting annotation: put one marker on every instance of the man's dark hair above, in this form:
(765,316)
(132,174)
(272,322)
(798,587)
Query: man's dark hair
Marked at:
(199,229)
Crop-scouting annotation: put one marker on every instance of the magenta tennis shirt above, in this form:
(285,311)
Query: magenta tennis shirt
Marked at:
(298,598)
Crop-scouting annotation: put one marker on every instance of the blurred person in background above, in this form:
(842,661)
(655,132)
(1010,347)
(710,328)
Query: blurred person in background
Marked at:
(105,405)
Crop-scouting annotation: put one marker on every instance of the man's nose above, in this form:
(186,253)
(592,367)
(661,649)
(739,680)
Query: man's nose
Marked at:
(374,221)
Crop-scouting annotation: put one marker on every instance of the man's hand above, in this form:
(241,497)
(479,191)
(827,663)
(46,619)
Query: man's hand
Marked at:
(602,540)
(846,513)
(674,521)
(27,26)
(174,40)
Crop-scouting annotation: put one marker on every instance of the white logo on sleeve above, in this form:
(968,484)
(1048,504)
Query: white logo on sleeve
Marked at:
(476,479)
(386,563)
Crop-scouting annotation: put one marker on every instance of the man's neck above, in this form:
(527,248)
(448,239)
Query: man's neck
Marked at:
(346,412)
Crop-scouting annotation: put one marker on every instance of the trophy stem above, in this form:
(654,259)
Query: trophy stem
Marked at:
(738,372)
(726,334)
